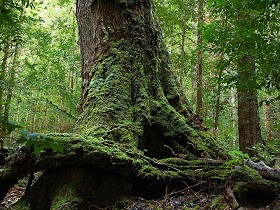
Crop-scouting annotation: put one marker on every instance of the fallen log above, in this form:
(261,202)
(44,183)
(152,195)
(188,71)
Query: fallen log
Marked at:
(264,170)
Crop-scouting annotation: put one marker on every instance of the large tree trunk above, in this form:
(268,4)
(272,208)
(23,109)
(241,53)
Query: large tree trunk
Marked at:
(129,93)
(249,129)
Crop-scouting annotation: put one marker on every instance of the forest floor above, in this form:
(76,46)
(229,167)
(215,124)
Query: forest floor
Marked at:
(186,199)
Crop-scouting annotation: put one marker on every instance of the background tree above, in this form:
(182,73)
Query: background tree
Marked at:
(200,16)
(244,29)
(49,55)
(12,18)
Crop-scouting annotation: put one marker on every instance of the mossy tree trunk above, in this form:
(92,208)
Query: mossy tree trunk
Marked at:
(129,93)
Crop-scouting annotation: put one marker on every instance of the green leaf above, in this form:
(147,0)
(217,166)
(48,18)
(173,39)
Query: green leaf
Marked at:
(33,136)
(37,150)
(29,144)
(11,126)
(57,146)
(22,139)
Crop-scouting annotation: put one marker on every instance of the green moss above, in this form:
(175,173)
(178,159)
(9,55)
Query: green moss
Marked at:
(244,173)
(146,171)
(184,163)
(219,203)
(66,199)
(170,120)
(20,205)
(76,143)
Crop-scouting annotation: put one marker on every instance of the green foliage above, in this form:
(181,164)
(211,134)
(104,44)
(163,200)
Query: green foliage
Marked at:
(219,202)
(47,85)
(237,157)
(8,124)
(246,28)
(39,142)
(34,141)
(267,153)
(12,18)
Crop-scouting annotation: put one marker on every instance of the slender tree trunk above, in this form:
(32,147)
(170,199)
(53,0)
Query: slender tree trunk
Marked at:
(32,115)
(45,123)
(249,129)
(2,85)
(218,98)
(267,121)
(12,73)
(72,80)
(3,72)
(182,72)
(217,106)
(199,61)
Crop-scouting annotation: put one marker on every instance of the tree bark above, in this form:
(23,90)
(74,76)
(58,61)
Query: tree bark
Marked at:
(264,170)
(3,72)
(2,85)
(218,98)
(267,121)
(12,73)
(128,87)
(249,129)
(182,66)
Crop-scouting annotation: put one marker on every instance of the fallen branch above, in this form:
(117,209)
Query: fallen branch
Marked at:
(264,170)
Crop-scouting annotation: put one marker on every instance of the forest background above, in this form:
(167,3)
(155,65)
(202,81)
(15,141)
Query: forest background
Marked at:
(40,64)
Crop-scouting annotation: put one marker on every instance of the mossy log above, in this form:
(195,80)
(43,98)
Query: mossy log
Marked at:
(264,170)
(98,153)
(94,172)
